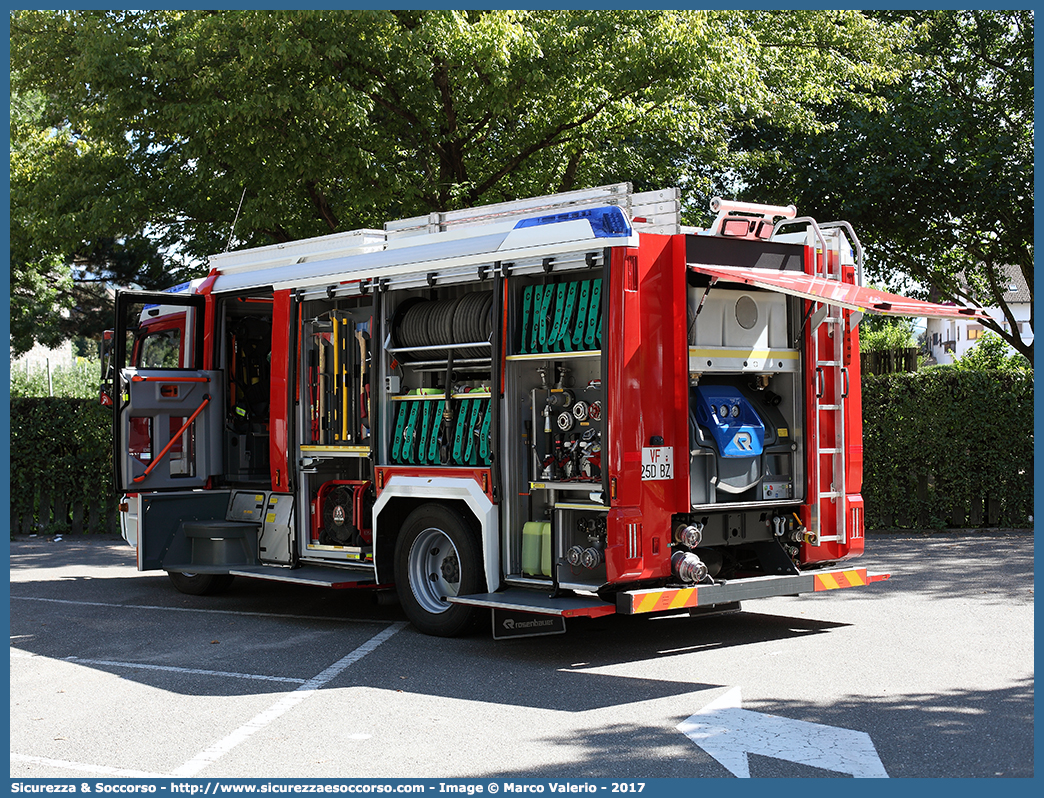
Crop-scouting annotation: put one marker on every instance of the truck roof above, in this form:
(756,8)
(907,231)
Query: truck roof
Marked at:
(536,228)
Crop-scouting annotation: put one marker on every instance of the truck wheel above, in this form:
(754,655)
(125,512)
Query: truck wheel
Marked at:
(438,555)
(200,584)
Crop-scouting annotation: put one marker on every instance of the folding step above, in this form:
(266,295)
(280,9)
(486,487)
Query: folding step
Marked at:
(308,575)
(539,603)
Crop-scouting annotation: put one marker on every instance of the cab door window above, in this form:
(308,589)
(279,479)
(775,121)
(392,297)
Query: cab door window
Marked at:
(160,349)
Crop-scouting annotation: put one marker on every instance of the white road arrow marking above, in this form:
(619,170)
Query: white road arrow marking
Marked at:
(728,733)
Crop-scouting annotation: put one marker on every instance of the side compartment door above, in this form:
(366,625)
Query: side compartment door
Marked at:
(167,410)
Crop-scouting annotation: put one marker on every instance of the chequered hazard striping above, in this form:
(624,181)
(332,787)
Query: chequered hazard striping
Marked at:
(661,600)
(836,579)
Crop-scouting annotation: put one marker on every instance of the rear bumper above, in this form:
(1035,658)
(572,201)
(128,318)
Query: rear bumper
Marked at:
(637,602)
(666,599)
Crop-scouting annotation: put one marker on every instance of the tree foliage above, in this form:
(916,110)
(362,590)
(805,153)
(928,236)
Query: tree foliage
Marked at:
(991,353)
(147,130)
(883,333)
(939,178)
(142,132)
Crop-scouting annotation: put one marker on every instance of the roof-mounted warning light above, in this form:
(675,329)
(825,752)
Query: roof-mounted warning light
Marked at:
(754,222)
(607,221)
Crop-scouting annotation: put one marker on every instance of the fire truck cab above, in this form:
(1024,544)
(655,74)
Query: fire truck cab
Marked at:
(564,406)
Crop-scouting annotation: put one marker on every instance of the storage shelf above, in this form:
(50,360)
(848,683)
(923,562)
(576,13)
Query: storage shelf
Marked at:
(474,364)
(335,451)
(556,355)
(587,587)
(587,487)
(355,554)
(591,507)
(721,358)
(521,580)
(436,396)
(435,347)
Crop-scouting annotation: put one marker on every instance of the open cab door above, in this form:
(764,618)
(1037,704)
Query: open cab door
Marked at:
(167,410)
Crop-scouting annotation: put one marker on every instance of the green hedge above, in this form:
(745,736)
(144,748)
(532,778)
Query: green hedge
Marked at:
(942,447)
(61,473)
(948,447)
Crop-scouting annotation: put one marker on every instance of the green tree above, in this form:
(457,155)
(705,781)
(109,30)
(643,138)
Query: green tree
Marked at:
(152,128)
(939,177)
(991,353)
(882,333)
(69,233)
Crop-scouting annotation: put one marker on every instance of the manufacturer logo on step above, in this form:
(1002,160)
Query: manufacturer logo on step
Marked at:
(510,623)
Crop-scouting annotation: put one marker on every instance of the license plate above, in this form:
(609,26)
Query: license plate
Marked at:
(657,463)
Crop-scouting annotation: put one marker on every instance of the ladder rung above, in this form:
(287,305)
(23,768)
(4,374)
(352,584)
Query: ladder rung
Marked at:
(830,451)
(830,494)
(829,407)
(828,362)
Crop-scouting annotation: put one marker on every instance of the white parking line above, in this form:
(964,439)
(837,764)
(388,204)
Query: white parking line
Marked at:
(193,671)
(83,767)
(283,705)
(199,609)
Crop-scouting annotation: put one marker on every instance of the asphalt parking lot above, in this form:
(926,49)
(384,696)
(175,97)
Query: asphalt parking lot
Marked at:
(929,674)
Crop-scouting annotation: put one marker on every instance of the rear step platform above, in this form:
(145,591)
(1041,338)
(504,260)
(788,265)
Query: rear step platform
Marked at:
(306,575)
(539,603)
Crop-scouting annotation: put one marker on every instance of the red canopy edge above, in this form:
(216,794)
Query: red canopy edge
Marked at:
(834,292)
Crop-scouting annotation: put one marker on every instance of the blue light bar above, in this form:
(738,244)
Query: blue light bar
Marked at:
(180,288)
(607,221)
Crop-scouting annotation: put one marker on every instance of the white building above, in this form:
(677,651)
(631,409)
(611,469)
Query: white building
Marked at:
(950,339)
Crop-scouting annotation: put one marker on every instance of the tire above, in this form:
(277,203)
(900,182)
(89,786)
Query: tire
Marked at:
(437,554)
(200,584)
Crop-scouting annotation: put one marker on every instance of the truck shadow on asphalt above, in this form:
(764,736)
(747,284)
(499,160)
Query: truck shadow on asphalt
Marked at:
(957,732)
(552,672)
(85,621)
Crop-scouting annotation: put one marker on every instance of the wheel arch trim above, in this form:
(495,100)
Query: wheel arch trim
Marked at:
(447,489)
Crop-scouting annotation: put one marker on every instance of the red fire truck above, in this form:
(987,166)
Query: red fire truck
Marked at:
(558,407)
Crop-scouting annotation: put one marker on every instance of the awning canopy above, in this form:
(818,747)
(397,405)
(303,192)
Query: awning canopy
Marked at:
(834,292)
